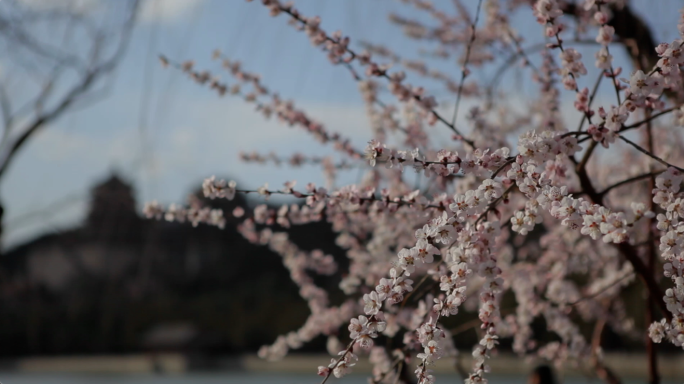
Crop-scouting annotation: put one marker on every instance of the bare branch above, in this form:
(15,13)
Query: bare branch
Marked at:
(97,70)
(649,154)
(6,108)
(631,180)
(648,119)
(464,69)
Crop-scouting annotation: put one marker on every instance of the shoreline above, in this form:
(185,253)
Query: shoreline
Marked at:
(625,365)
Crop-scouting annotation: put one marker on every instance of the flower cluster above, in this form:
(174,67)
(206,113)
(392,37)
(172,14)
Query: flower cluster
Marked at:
(445,163)
(666,195)
(195,214)
(213,188)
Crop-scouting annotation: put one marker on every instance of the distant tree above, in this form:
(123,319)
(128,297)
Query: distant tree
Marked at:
(57,56)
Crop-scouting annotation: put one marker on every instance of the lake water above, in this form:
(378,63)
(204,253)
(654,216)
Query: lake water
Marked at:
(242,378)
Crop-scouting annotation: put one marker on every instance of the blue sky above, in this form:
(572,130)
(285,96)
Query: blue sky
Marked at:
(165,133)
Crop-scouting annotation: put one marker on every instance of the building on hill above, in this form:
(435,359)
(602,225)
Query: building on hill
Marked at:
(112,215)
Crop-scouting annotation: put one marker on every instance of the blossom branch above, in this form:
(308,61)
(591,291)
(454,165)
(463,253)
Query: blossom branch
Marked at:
(369,93)
(650,263)
(508,63)
(443,233)
(405,201)
(591,100)
(416,66)
(296,160)
(374,69)
(606,33)
(284,110)
(628,250)
(335,364)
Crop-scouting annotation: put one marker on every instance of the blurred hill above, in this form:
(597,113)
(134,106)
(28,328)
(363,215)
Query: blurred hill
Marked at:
(121,283)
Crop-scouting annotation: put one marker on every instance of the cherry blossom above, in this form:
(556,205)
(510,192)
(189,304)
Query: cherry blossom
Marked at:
(515,201)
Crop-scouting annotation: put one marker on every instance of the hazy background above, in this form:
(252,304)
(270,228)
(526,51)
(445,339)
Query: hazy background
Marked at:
(83,273)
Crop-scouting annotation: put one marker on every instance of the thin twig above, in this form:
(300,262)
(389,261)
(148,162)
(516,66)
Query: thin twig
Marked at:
(509,161)
(612,72)
(647,120)
(591,100)
(330,371)
(649,154)
(493,204)
(377,101)
(602,290)
(508,63)
(630,180)
(403,303)
(382,376)
(384,74)
(401,367)
(585,159)
(603,372)
(464,69)
(560,45)
(520,50)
